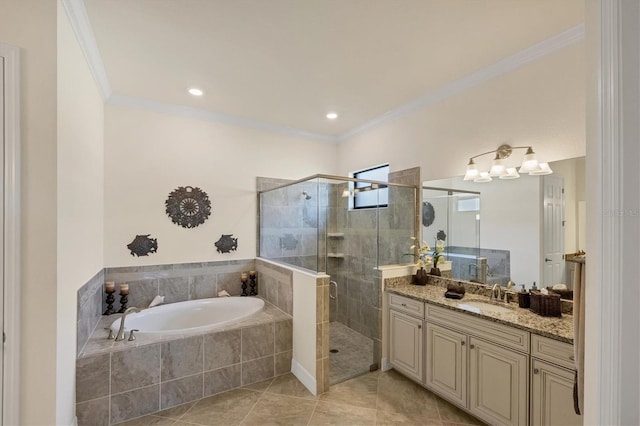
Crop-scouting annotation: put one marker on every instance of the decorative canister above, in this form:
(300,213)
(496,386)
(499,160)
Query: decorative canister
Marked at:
(420,278)
(435,271)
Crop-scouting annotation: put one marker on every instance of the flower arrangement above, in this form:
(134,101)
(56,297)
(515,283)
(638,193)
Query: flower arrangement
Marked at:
(437,253)
(422,257)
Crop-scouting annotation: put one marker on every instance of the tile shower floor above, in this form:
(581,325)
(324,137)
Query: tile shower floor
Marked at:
(354,356)
(377,398)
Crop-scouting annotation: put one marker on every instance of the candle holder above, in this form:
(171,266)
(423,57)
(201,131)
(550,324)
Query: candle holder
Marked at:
(252,284)
(110,300)
(124,299)
(244,280)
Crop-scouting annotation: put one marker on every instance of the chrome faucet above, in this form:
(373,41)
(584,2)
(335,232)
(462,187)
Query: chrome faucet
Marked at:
(120,335)
(496,287)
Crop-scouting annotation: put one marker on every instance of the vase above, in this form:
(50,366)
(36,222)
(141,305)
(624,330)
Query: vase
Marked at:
(435,271)
(420,278)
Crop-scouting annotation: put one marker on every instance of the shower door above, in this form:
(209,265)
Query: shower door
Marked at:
(2,136)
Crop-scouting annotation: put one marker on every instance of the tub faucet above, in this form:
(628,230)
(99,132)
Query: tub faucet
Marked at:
(120,335)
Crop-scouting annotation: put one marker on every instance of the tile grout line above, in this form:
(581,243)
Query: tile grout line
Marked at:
(254,405)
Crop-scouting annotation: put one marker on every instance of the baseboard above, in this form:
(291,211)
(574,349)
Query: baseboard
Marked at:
(386,365)
(304,376)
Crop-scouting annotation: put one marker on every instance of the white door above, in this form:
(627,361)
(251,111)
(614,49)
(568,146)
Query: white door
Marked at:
(2,115)
(553,232)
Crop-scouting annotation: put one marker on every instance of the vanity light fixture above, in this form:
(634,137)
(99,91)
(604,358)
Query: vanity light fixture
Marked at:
(195,91)
(498,168)
(332,115)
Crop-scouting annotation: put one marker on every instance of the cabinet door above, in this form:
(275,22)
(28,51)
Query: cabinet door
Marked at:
(552,395)
(446,363)
(406,344)
(498,382)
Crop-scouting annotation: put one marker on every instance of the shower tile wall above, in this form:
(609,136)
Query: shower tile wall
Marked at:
(294,224)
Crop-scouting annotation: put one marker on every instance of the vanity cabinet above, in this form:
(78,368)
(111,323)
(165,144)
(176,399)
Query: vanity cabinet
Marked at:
(503,375)
(552,376)
(498,383)
(406,338)
(446,363)
(467,364)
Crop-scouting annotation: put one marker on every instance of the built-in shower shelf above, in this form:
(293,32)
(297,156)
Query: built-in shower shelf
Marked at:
(335,234)
(336,255)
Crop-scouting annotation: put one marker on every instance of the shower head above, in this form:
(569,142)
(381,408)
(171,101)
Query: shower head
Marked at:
(306,196)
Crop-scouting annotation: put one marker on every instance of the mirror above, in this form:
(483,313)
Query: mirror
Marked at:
(523,233)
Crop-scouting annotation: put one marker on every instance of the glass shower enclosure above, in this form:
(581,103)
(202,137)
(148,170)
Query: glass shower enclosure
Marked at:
(314,224)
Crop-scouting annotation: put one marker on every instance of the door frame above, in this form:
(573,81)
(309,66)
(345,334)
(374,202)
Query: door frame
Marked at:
(11,363)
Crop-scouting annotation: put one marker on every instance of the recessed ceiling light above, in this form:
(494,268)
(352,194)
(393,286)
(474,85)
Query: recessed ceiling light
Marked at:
(332,115)
(195,91)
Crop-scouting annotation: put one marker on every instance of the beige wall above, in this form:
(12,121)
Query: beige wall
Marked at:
(31,25)
(540,104)
(80,201)
(149,154)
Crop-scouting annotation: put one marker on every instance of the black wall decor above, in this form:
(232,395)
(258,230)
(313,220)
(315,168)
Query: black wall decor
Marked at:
(226,243)
(428,213)
(188,206)
(142,245)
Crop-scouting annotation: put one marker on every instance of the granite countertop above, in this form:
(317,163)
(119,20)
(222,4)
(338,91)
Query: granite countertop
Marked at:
(552,327)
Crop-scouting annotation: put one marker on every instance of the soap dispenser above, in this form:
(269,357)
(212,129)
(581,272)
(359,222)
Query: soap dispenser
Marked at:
(523,298)
(533,287)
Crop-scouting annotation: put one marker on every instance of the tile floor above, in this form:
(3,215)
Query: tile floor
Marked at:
(354,356)
(375,398)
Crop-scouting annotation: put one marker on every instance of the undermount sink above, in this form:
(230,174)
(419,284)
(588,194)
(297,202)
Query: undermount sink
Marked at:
(479,307)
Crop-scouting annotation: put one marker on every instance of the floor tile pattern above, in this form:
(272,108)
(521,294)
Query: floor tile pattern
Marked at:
(377,398)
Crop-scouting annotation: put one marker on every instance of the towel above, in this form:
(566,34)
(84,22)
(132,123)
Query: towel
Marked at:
(578,335)
(454,291)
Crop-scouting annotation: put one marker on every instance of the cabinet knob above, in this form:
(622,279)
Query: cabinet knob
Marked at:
(472,346)
(404,304)
(419,326)
(536,371)
(462,343)
(572,358)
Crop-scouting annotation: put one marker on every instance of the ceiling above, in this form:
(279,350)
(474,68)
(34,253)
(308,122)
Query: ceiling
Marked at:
(286,63)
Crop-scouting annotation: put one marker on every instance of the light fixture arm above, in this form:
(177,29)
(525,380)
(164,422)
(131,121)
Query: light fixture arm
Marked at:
(503,151)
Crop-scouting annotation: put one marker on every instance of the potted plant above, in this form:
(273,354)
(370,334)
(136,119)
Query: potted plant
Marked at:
(437,257)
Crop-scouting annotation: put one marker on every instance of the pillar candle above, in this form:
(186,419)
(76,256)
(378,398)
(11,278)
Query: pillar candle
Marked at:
(109,286)
(243,277)
(124,288)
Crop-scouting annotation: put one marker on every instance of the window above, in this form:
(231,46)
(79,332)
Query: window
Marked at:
(367,195)
(469,204)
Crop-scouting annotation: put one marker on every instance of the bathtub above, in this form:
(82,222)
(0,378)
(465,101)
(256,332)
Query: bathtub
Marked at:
(193,316)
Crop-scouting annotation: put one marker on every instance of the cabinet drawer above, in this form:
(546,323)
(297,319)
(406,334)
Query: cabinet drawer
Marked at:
(404,304)
(497,333)
(554,351)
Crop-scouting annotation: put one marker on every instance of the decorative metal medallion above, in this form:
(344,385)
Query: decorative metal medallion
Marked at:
(188,206)
(288,242)
(142,245)
(428,214)
(226,243)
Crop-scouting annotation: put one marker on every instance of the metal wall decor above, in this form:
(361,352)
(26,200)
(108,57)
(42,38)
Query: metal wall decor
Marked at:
(288,242)
(428,214)
(226,243)
(142,245)
(188,206)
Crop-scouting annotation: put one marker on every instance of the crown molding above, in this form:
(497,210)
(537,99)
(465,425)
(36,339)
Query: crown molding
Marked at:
(508,64)
(77,14)
(201,114)
(79,19)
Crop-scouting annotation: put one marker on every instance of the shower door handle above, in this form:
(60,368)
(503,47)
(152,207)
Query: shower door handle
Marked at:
(334,284)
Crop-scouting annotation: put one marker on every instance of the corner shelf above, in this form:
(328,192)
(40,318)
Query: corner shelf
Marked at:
(335,234)
(336,255)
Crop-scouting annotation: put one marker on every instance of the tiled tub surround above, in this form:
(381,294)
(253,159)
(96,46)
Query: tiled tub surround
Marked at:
(177,282)
(117,381)
(89,308)
(555,328)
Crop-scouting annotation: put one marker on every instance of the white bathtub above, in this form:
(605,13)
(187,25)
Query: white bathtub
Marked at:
(199,315)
